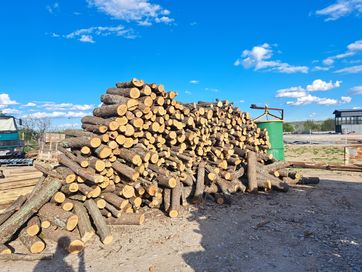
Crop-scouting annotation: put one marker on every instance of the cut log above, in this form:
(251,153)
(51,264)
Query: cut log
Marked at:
(103,230)
(26,257)
(106,111)
(252,179)
(65,239)
(127,219)
(33,226)
(200,183)
(125,170)
(115,200)
(175,201)
(5,250)
(12,209)
(59,217)
(126,92)
(33,243)
(110,99)
(10,226)
(85,228)
(79,170)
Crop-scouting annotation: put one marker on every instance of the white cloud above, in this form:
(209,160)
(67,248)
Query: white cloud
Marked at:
(194,81)
(292,92)
(320,85)
(356,46)
(212,90)
(188,92)
(56,114)
(241,101)
(351,69)
(86,39)
(340,9)
(66,106)
(346,99)
(303,96)
(10,111)
(321,68)
(87,34)
(6,101)
(309,99)
(352,50)
(356,108)
(328,61)
(260,58)
(52,8)
(356,90)
(237,62)
(141,11)
(29,104)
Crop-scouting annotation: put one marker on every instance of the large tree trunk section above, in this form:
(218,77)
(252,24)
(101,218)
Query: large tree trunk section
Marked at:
(9,227)
(103,230)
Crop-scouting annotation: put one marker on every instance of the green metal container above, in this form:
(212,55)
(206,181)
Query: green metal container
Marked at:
(275,132)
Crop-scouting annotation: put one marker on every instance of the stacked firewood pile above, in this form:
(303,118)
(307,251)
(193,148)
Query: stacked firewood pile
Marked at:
(141,149)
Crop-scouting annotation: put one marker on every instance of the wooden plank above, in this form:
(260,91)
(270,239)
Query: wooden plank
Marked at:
(18,184)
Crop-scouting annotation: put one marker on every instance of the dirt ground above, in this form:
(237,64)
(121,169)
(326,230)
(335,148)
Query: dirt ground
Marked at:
(306,229)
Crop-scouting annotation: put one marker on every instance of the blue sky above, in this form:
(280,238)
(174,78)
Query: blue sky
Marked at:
(58,57)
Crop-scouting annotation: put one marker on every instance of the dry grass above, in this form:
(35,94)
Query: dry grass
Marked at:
(315,153)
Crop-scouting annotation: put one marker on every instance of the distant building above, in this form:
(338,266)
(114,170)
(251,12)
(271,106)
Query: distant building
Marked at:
(348,121)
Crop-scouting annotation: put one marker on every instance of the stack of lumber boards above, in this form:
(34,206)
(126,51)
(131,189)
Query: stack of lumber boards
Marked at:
(142,149)
(18,180)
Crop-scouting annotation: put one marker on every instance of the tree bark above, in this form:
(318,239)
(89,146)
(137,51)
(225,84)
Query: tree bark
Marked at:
(12,209)
(127,219)
(59,217)
(103,230)
(252,179)
(9,227)
(85,228)
(200,183)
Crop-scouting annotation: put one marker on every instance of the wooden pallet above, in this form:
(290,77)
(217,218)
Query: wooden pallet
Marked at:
(17,181)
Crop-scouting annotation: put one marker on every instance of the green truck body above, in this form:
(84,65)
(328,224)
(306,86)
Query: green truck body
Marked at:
(11,146)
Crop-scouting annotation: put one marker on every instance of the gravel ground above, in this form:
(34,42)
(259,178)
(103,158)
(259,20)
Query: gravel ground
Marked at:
(306,229)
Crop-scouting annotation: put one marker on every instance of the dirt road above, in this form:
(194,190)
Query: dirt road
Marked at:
(306,229)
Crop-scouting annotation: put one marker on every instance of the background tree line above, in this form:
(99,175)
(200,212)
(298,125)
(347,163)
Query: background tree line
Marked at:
(309,125)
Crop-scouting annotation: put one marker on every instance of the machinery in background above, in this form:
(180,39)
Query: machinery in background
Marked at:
(11,144)
(273,123)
